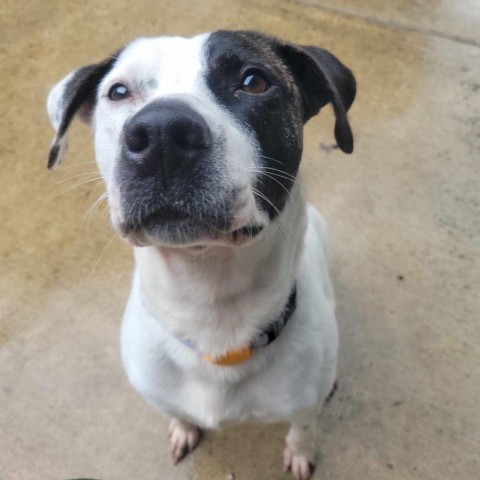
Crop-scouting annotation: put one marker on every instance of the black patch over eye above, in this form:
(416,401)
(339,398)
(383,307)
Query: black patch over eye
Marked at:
(118,92)
(254,82)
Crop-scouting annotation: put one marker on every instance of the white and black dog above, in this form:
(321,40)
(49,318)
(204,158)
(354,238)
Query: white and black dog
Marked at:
(231,315)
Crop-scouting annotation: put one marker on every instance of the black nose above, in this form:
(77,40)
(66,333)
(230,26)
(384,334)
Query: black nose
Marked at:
(165,138)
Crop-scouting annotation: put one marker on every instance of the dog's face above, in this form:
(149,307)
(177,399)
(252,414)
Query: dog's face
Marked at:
(199,140)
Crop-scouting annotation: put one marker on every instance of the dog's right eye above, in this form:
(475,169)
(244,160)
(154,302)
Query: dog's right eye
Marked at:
(118,92)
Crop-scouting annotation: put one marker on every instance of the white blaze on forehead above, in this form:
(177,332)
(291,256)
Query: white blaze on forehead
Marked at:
(169,64)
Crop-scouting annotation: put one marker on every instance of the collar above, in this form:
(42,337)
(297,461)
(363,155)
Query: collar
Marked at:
(264,338)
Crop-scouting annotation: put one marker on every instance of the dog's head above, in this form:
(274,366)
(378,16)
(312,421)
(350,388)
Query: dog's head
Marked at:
(199,140)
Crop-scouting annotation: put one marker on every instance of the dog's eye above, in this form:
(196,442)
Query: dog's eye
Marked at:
(118,92)
(254,82)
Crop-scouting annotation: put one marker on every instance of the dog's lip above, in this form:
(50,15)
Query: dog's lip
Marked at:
(142,232)
(139,237)
(250,231)
(159,216)
(172,216)
(165,215)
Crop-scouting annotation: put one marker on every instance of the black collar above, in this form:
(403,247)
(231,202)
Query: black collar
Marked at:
(273,331)
(264,338)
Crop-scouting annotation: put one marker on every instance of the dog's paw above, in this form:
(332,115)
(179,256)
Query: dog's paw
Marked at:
(301,466)
(184,437)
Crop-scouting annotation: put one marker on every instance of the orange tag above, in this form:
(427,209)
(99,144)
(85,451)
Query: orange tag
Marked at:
(232,357)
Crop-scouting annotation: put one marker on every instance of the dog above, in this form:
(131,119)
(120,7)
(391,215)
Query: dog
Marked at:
(231,315)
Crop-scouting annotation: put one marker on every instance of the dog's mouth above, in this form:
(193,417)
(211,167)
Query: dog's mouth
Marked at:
(246,232)
(163,216)
(174,227)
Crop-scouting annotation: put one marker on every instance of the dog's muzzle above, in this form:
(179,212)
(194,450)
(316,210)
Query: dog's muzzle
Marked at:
(171,178)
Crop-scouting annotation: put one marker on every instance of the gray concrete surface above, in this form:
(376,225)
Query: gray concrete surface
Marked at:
(404,215)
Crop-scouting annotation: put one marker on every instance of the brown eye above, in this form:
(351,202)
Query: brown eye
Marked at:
(118,92)
(254,83)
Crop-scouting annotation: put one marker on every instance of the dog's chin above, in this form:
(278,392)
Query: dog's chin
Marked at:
(189,235)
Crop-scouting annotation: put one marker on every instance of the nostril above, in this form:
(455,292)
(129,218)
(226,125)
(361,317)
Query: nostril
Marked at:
(136,138)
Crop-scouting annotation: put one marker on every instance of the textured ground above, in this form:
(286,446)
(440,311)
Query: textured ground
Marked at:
(404,216)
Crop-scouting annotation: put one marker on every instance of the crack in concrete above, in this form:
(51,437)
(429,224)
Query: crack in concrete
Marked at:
(391,24)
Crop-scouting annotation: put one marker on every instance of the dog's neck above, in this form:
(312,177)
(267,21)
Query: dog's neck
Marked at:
(221,297)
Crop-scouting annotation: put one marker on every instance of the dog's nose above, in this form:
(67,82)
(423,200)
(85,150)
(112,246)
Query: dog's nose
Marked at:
(165,138)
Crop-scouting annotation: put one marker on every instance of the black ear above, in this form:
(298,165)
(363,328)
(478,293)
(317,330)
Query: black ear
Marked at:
(76,93)
(322,79)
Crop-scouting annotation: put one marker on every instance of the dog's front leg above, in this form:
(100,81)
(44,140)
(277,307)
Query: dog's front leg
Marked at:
(184,437)
(299,452)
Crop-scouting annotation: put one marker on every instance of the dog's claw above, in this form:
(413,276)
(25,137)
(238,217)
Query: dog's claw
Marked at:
(299,464)
(184,438)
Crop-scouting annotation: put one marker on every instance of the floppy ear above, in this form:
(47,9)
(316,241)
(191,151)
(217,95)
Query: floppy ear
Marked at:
(76,93)
(322,79)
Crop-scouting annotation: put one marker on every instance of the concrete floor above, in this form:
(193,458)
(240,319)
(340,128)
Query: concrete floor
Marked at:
(404,215)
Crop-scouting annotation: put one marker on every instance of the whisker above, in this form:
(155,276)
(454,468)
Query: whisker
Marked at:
(95,205)
(77,165)
(271,171)
(77,185)
(281,172)
(280,183)
(270,158)
(76,176)
(101,184)
(261,195)
(274,174)
(267,167)
(105,211)
(261,169)
(280,226)
(103,253)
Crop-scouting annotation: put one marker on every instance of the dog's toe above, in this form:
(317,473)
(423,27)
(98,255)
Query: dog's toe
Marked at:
(300,465)
(184,437)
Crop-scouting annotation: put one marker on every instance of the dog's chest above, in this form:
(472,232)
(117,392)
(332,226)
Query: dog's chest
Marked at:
(199,392)
(213,397)
(215,405)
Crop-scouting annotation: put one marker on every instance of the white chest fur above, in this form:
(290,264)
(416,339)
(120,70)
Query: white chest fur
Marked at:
(293,373)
